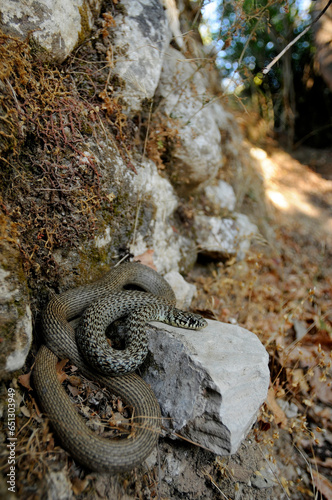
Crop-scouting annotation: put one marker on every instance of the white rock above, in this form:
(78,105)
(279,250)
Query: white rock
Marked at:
(185,96)
(183,290)
(155,202)
(173,14)
(55,24)
(170,248)
(102,241)
(58,486)
(141,37)
(16,320)
(246,231)
(21,341)
(210,383)
(266,475)
(219,237)
(221,194)
(290,409)
(6,293)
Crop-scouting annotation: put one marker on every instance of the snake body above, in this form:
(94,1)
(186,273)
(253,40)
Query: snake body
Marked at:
(92,342)
(92,451)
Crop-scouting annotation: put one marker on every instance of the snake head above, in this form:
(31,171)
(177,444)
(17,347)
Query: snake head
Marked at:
(188,320)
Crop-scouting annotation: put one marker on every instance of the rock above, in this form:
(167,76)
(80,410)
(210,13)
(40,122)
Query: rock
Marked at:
(58,486)
(57,26)
(16,321)
(172,251)
(141,39)
(183,90)
(266,476)
(172,14)
(143,212)
(300,329)
(220,238)
(144,205)
(183,290)
(174,467)
(221,195)
(210,383)
(290,409)
(103,241)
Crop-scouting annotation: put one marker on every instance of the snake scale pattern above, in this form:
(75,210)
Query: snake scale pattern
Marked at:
(101,303)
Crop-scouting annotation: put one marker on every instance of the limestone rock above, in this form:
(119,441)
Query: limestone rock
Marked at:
(219,237)
(266,476)
(221,195)
(171,249)
(58,486)
(141,38)
(185,101)
(57,26)
(210,383)
(172,14)
(16,321)
(146,202)
(156,202)
(183,290)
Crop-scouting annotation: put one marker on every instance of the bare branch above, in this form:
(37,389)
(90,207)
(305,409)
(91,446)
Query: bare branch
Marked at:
(272,63)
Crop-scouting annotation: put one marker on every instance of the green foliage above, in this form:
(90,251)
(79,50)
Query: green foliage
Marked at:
(249,34)
(253,32)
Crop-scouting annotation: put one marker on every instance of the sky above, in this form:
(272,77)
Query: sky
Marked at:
(210,6)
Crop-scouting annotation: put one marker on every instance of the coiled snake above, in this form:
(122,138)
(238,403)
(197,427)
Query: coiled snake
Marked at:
(104,301)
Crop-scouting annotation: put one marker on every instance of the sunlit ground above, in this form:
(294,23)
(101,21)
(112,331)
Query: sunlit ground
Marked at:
(297,193)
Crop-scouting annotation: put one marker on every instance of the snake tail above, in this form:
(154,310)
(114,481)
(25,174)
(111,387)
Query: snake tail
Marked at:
(94,452)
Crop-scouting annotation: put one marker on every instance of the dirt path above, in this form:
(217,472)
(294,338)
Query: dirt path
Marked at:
(301,199)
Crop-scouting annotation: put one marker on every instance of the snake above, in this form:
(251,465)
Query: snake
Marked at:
(98,304)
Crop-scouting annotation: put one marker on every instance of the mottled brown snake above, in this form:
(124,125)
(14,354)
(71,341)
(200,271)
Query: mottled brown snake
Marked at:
(92,451)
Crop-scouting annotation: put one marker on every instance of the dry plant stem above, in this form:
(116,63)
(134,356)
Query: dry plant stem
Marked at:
(273,472)
(147,130)
(214,484)
(138,208)
(276,59)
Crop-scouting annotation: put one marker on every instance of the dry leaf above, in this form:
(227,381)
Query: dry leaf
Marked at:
(279,414)
(146,258)
(322,389)
(36,415)
(298,378)
(24,380)
(25,411)
(59,370)
(323,485)
(74,380)
(79,485)
(74,391)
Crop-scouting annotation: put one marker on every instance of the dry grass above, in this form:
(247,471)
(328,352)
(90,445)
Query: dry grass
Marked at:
(282,292)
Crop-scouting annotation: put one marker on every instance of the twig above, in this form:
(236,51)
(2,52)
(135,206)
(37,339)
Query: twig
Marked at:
(214,483)
(272,63)
(273,472)
(147,130)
